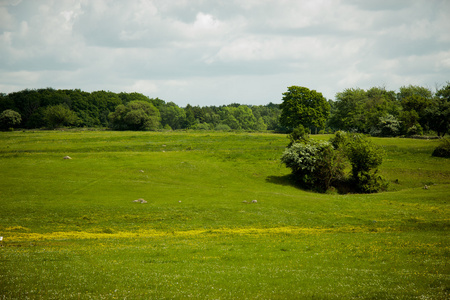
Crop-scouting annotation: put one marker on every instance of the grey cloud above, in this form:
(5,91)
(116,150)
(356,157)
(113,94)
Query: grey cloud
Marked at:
(381,5)
(205,51)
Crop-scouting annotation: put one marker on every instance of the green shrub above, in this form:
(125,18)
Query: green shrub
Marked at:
(363,154)
(316,165)
(9,118)
(222,127)
(387,126)
(369,182)
(202,126)
(414,130)
(364,157)
(443,150)
(321,165)
(299,134)
(339,139)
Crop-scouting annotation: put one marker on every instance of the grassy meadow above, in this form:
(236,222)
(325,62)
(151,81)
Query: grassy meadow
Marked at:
(72,231)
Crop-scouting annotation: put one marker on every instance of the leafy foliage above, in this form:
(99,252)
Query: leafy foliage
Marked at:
(438,113)
(415,102)
(380,112)
(387,126)
(302,106)
(299,134)
(9,119)
(93,110)
(59,115)
(357,110)
(320,165)
(365,158)
(314,164)
(223,127)
(240,117)
(136,115)
(173,116)
(443,150)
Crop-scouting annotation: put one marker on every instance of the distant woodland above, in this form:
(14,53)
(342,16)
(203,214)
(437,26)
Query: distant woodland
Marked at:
(413,110)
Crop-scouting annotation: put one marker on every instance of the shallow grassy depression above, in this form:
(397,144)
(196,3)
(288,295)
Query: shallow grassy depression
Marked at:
(72,231)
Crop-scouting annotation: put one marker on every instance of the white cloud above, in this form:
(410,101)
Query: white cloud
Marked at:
(205,22)
(148,87)
(215,52)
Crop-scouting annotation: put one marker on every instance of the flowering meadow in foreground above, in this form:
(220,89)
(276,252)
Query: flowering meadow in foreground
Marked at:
(224,264)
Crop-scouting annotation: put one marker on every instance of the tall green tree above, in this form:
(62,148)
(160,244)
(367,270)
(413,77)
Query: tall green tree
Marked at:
(359,110)
(414,101)
(191,121)
(302,106)
(380,104)
(102,103)
(348,112)
(438,113)
(173,116)
(211,115)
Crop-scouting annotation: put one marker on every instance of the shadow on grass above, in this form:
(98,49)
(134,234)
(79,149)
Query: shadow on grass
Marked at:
(286,180)
(342,187)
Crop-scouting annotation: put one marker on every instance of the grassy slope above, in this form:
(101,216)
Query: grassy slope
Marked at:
(71,229)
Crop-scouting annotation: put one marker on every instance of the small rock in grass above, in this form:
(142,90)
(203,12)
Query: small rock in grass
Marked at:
(67,157)
(254,201)
(140,200)
(142,171)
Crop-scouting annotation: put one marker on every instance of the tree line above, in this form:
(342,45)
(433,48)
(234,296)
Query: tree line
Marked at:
(51,108)
(413,110)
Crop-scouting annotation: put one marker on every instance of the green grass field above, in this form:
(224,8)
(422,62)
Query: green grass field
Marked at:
(72,231)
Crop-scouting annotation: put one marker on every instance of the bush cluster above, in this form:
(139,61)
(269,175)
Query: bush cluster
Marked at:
(315,164)
(9,119)
(321,165)
(443,150)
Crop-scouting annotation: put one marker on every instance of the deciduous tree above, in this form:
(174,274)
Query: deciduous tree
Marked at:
(438,113)
(302,106)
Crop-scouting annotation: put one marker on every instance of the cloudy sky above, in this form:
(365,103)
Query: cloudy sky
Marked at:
(214,52)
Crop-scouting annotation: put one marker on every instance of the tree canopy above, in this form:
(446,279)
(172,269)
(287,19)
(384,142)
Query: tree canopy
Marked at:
(59,115)
(305,107)
(413,110)
(135,115)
